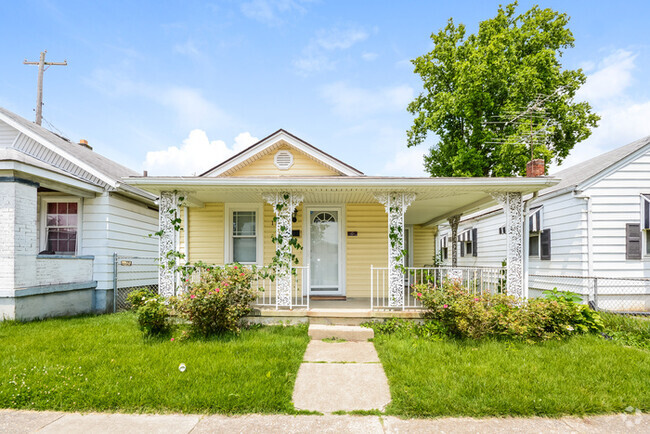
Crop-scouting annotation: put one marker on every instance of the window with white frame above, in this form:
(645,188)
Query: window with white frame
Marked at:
(60,226)
(244,234)
(645,222)
(534,228)
(444,250)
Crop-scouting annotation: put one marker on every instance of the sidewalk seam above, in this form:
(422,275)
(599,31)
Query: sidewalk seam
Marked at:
(51,422)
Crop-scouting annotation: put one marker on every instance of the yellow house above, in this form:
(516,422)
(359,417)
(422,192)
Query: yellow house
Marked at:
(365,238)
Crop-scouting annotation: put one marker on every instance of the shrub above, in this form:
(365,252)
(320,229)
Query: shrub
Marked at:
(402,327)
(137,297)
(153,311)
(219,301)
(477,316)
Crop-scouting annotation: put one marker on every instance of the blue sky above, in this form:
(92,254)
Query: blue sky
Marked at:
(175,87)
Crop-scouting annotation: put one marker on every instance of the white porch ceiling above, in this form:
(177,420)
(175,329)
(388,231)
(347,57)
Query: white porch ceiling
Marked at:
(436,198)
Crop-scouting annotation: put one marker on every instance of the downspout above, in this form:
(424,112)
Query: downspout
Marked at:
(527,242)
(590,245)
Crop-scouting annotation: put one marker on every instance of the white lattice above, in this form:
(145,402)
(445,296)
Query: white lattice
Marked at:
(167,242)
(453,223)
(514,211)
(283,205)
(395,204)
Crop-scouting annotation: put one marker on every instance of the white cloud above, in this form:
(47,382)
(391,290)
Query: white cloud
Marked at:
(406,162)
(316,56)
(270,12)
(339,38)
(369,57)
(612,78)
(620,124)
(195,155)
(624,118)
(189,48)
(349,101)
(188,105)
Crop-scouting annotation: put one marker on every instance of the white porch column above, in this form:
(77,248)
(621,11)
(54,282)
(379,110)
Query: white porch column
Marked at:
(514,212)
(453,223)
(396,204)
(168,210)
(283,205)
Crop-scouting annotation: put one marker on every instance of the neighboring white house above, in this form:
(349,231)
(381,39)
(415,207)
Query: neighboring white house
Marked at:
(64,212)
(594,223)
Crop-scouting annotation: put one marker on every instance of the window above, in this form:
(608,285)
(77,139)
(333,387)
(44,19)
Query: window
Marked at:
(444,251)
(534,231)
(244,236)
(533,245)
(60,227)
(468,242)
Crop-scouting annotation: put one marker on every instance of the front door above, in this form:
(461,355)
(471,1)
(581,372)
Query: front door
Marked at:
(325,252)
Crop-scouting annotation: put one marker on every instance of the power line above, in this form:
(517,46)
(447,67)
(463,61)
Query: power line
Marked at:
(42,67)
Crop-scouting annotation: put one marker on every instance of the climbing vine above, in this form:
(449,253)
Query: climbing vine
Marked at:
(171,258)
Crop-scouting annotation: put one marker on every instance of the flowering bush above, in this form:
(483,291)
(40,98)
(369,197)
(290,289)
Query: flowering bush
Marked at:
(476,316)
(219,301)
(152,310)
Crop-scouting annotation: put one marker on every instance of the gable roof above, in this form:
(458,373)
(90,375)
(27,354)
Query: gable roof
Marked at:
(586,171)
(103,168)
(61,154)
(273,139)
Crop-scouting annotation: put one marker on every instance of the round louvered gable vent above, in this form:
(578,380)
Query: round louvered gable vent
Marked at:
(283,160)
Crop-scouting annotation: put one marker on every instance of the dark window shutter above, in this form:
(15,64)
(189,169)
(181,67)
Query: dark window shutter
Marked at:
(474,240)
(646,212)
(545,245)
(632,241)
(462,249)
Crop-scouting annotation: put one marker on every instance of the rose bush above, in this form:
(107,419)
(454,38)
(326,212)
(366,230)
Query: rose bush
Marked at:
(219,300)
(466,315)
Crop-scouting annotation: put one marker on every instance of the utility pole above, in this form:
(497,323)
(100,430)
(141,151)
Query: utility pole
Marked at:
(42,67)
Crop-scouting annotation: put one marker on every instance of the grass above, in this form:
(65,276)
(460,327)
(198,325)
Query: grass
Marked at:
(103,363)
(627,330)
(583,375)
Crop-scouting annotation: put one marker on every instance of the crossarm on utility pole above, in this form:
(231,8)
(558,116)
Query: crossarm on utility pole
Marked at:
(42,66)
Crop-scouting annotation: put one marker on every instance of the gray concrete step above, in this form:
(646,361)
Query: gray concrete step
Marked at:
(348,333)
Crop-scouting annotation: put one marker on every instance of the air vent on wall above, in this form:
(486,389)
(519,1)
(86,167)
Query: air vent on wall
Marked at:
(283,160)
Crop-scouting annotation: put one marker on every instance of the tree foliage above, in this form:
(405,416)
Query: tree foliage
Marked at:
(471,81)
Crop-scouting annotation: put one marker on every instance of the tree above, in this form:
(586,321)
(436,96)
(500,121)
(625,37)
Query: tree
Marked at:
(472,81)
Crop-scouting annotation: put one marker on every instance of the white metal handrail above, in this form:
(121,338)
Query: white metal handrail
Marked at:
(476,280)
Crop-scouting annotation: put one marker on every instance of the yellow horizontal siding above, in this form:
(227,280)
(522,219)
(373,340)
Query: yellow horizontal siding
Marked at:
(424,243)
(369,247)
(269,232)
(302,166)
(206,233)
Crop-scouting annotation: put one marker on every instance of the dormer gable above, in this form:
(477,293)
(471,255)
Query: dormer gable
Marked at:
(282,154)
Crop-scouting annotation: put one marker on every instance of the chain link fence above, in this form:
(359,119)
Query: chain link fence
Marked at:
(131,273)
(621,295)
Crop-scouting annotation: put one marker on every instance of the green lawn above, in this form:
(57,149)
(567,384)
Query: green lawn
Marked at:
(104,364)
(583,375)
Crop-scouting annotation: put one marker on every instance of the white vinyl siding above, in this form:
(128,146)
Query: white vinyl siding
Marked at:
(112,224)
(616,202)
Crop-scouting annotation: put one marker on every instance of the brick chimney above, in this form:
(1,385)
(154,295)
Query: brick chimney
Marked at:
(84,143)
(535,168)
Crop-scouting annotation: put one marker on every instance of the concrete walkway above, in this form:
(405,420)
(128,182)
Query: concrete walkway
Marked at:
(12,421)
(340,375)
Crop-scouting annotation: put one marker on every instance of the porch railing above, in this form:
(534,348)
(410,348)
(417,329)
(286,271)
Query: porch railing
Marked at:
(477,280)
(266,288)
(299,289)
